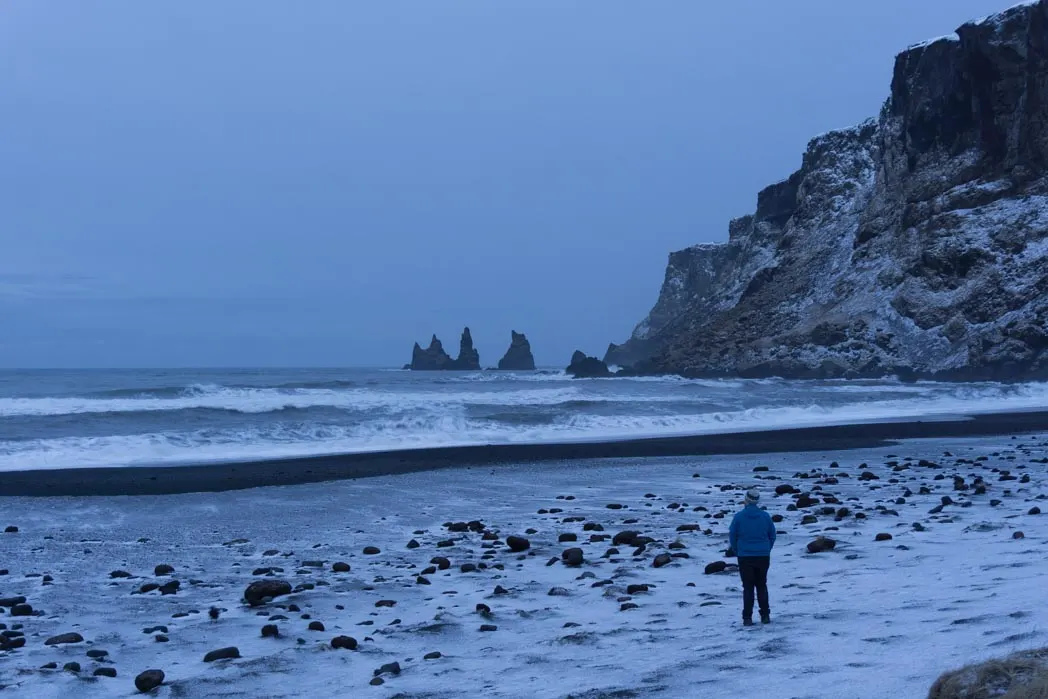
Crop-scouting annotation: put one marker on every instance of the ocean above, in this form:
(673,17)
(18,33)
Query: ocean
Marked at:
(88,418)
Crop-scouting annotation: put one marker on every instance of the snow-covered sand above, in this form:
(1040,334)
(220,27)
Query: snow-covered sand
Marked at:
(869,619)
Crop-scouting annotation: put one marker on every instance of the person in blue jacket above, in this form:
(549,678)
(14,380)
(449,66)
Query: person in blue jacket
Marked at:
(751,537)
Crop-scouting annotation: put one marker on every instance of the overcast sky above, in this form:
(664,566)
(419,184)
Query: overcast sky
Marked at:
(262,182)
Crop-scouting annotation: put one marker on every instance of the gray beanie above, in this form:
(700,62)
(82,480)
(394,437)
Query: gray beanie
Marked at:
(753,496)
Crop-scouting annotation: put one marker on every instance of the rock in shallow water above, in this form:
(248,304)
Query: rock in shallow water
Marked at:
(149,680)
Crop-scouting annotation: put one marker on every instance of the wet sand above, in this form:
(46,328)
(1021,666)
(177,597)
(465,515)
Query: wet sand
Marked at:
(219,477)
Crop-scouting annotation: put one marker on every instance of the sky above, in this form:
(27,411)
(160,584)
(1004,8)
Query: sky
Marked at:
(265,183)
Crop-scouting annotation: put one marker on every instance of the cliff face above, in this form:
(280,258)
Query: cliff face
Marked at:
(914,243)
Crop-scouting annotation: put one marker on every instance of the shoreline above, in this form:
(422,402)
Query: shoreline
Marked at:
(229,476)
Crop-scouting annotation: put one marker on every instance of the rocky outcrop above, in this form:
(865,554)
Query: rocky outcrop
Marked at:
(434,358)
(915,243)
(583,367)
(518,357)
(468,358)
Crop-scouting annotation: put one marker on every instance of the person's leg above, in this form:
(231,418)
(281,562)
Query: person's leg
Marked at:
(761,582)
(748,573)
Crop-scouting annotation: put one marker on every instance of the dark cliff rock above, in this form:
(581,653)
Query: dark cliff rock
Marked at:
(434,358)
(583,367)
(915,243)
(518,357)
(468,358)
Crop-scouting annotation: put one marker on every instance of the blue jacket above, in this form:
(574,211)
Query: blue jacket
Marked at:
(752,532)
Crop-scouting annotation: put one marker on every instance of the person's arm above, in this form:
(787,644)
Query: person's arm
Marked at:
(771,531)
(733,534)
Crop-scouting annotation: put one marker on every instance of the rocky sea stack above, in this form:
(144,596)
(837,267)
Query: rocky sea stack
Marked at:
(518,357)
(434,358)
(914,244)
(583,367)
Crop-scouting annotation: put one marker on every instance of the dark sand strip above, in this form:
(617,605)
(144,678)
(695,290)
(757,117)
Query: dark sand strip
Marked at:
(217,477)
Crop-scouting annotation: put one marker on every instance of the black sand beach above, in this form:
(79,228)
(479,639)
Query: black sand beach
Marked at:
(218,477)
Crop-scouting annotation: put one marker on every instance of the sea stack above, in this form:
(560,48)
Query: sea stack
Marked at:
(583,367)
(518,357)
(434,358)
(469,357)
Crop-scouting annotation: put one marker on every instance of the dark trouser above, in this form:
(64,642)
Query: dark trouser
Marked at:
(754,573)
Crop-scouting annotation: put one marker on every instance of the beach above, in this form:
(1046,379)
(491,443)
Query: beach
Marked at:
(871,618)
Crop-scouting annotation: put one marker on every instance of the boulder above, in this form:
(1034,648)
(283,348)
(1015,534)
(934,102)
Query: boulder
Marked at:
(518,357)
(821,544)
(260,591)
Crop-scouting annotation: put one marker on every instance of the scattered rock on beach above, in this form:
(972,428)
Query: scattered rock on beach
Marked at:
(261,591)
(344,643)
(230,653)
(63,639)
(572,557)
(517,544)
(149,680)
(821,544)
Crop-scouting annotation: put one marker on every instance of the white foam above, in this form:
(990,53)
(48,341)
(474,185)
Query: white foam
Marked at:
(449,426)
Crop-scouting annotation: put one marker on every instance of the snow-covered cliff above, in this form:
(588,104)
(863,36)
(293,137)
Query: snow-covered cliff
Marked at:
(915,243)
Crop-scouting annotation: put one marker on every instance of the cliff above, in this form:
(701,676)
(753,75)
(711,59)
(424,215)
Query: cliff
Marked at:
(915,243)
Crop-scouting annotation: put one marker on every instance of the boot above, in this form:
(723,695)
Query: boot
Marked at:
(765,617)
(747,621)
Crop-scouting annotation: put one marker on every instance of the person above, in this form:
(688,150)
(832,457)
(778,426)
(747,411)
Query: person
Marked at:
(751,537)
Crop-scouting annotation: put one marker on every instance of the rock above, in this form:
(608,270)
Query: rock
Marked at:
(104,672)
(715,567)
(97,653)
(440,562)
(883,536)
(1018,535)
(11,529)
(388,669)
(170,588)
(517,544)
(116,574)
(73,667)
(229,653)
(433,358)
(468,358)
(270,631)
(435,655)
(636,588)
(12,601)
(371,551)
(340,567)
(572,557)
(163,569)
(518,357)
(413,544)
(316,626)
(583,367)
(785,489)
(821,544)
(377,681)
(261,591)
(920,297)
(344,643)
(567,538)
(149,680)
(1034,511)
(488,627)
(64,638)
(663,559)
(625,538)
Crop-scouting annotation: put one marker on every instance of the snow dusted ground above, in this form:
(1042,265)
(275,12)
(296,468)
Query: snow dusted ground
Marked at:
(869,619)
